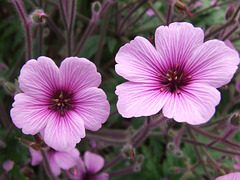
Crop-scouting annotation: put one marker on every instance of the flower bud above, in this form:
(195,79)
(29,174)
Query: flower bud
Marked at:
(171,146)
(8,165)
(182,7)
(10,88)
(96,7)
(2,80)
(230,11)
(137,168)
(140,159)
(179,154)
(235,119)
(128,151)
(38,16)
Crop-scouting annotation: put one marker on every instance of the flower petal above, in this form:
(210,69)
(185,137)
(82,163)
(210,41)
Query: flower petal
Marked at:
(138,61)
(230,176)
(39,78)
(28,113)
(140,99)
(213,63)
(195,105)
(63,132)
(177,42)
(36,157)
(92,106)
(52,163)
(93,162)
(67,160)
(78,73)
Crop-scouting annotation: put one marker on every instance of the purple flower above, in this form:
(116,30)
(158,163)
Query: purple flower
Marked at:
(150,12)
(8,165)
(179,77)
(61,102)
(57,159)
(230,176)
(86,169)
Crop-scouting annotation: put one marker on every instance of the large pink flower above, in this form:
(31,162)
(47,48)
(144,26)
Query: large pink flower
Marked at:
(180,76)
(57,159)
(60,102)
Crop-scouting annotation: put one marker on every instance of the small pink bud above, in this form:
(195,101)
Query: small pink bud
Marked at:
(128,151)
(38,16)
(8,165)
(183,7)
(230,11)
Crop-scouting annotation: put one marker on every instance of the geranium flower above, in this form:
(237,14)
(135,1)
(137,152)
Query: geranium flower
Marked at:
(56,159)
(60,102)
(230,176)
(88,167)
(179,77)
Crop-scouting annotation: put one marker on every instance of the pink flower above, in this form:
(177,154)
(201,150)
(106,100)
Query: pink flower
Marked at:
(61,102)
(179,77)
(198,4)
(230,176)
(86,169)
(57,159)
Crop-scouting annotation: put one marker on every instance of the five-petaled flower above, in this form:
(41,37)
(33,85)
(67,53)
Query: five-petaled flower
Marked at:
(179,77)
(57,160)
(60,102)
(87,168)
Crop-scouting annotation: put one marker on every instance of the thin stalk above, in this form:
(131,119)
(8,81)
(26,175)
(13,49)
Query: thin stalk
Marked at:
(197,143)
(63,13)
(169,14)
(203,164)
(103,29)
(158,14)
(121,172)
(26,25)
(40,40)
(235,28)
(55,29)
(47,166)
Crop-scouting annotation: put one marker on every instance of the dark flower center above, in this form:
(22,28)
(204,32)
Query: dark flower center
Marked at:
(174,79)
(61,102)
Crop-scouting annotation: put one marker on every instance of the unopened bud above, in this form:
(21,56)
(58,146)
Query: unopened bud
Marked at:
(8,165)
(38,16)
(10,88)
(171,146)
(182,7)
(235,119)
(96,6)
(179,154)
(3,67)
(137,168)
(128,151)
(29,173)
(230,11)
(140,159)
(2,80)
(29,144)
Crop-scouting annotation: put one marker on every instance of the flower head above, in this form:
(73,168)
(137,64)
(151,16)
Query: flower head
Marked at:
(87,169)
(179,77)
(60,102)
(57,159)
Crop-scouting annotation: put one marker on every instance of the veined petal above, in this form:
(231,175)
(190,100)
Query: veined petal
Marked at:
(140,99)
(63,132)
(92,106)
(29,114)
(230,176)
(213,63)
(93,162)
(39,77)
(195,105)
(78,73)
(67,160)
(138,61)
(52,163)
(36,157)
(177,42)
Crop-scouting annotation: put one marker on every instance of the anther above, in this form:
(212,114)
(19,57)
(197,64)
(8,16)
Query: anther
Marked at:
(168,75)
(61,95)
(55,100)
(169,79)
(67,100)
(181,76)
(59,104)
(175,78)
(175,72)
(170,71)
